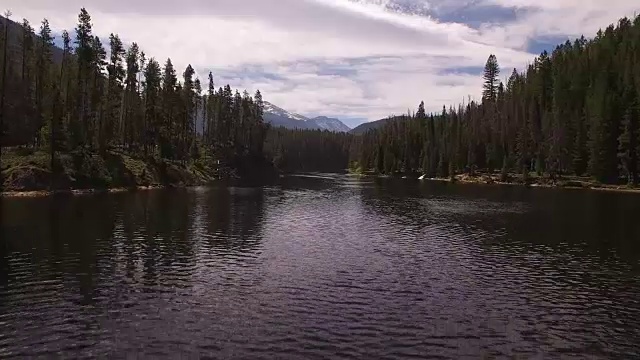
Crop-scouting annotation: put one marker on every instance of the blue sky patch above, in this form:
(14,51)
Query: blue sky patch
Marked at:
(476,15)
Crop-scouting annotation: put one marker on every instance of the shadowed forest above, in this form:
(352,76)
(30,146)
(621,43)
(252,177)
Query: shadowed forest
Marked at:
(110,115)
(573,112)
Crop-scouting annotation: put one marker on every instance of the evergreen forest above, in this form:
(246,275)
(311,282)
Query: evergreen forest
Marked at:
(572,112)
(95,100)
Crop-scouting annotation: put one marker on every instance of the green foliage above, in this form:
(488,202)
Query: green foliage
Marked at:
(491,72)
(573,111)
(87,103)
(26,169)
(305,150)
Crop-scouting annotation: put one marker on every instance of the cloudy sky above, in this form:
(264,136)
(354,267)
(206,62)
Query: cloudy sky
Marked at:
(358,60)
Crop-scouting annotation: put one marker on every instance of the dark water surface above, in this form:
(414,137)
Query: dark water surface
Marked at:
(323,267)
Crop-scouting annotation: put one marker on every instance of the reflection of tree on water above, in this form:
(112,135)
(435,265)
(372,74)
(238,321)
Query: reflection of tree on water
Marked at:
(4,251)
(136,238)
(234,218)
(599,223)
(58,240)
(153,235)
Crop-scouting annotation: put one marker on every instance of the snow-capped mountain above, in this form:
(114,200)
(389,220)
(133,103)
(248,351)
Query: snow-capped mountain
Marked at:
(278,116)
(331,124)
(272,109)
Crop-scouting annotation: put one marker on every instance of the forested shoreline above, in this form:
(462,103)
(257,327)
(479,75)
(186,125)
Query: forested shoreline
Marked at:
(84,116)
(123,120)
(572,113)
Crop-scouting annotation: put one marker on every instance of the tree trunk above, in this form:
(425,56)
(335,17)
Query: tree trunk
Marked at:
(52,139)
(2,93)
(121,120)
(24,55)
(204,119)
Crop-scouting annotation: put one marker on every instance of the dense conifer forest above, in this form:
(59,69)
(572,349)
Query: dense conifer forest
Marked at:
(96,100)
(574,111)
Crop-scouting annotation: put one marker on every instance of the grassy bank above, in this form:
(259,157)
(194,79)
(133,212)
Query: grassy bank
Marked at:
(25,171)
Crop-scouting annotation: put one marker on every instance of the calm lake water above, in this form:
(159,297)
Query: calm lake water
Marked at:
(323,267)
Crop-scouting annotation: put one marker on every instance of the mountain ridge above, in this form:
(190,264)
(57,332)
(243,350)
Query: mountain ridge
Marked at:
(371,125)
(278,116)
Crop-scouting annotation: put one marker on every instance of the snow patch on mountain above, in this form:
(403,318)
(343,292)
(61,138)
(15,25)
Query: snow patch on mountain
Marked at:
(330,124)
(278,116)
(275,110)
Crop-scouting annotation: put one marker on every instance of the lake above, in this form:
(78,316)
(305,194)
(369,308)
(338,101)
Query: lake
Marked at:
(323,266)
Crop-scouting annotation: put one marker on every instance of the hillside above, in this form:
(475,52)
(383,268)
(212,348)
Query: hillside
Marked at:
(363,128)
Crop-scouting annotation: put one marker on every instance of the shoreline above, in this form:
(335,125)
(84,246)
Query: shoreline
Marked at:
(459,179)
(30,176)
(80,192)
(569,185)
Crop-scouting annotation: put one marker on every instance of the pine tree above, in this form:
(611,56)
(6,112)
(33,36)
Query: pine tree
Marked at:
(153,108)
(60,103)
(210,104)
(197,102)
(3,87)
(27,48)
(169,111)
(421,114)
(84,56)
(491,73)
(129,127)
(96,106)
(115,78)
(43,76)
(188,88)
(258,131)
(628,140)
(65,72)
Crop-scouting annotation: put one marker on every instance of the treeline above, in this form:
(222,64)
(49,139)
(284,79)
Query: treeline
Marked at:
(574,111)
(308,150)
(85,98)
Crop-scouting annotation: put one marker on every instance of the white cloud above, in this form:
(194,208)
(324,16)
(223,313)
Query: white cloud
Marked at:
(570,18)
(355,58)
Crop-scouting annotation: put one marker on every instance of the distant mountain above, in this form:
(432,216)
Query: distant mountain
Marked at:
(278,116)
(331,124)
(363,128)
(278,111)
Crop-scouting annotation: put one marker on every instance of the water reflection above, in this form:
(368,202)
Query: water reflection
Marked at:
(322,266)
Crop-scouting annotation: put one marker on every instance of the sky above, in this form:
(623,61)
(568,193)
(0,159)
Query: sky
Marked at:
(357,60)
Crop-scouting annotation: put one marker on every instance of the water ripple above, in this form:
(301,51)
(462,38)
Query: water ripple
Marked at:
(322,266)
